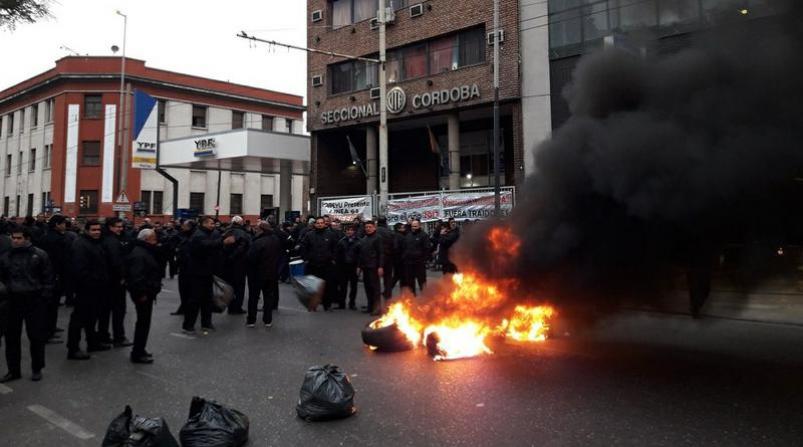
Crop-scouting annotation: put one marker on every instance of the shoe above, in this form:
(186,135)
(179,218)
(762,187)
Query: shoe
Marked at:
(9,377)
(250,325)
(99,347)
(144,359)
(352,306)
(58,329)
(124,342)
(36,376)
(188,331)
(54,340)
(147,354)
(237,312)
(178,311)
(210,328)
(268,324)
(78,355)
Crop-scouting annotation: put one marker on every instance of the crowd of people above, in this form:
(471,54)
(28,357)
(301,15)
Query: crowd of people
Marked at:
(95,264)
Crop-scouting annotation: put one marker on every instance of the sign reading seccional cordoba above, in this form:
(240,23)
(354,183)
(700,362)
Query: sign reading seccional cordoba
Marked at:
(146,131)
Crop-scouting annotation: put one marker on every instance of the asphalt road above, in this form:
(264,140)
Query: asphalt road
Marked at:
(638,379)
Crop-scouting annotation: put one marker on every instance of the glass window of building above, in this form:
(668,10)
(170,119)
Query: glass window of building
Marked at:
(158,202)
(471,47)
(161,111)
(346,12)
(29,208)
(19,163)
(32,160)
(8,165)
(443,54)
(90,153)
(236,204)
(197,202)
(265,201)
(35,115)
(415,61)
(47,157)
(93,106)
(145,198)
(267,122)
(237,120)
(10,121)
(50,106)
(199,116)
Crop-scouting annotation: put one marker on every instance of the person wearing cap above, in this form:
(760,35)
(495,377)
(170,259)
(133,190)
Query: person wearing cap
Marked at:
(235,264)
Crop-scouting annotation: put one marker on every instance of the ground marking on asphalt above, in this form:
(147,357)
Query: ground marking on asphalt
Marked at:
(4,389)
(291,309)
(188,337)
(64,424)
(143,373)
(168,291)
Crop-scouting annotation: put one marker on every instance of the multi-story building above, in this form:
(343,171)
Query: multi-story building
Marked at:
(35,135)
(440,89)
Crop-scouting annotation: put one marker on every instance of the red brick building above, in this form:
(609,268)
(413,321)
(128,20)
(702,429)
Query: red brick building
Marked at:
(439,59)
(34,134)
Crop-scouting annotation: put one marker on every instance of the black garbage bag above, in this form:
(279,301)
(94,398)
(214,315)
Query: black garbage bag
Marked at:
(386,338)
(127,430)
(309,290)
(326,394)
(213,425)
(222,294)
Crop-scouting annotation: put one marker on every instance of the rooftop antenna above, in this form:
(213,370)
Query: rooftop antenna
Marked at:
(66,48)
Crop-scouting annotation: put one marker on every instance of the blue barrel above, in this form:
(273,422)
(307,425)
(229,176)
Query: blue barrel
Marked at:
(297,267)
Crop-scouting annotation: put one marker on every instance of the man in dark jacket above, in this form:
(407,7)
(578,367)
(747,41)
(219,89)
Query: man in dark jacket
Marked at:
(235,264)
(263,274)
(415,251)
(182,244)
(205,248)
(450,233)
(26,272)
(318,250)
(56,245)
(389,252)
(370,259)
(169,247)
(346,260)
(144,282)
(113,305)
(91,285)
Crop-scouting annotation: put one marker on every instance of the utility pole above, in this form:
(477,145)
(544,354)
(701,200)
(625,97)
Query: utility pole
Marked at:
(123,116)
(497,192)
(384,175)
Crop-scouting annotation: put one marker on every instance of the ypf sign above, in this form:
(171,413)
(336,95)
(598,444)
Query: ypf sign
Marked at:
(397,99)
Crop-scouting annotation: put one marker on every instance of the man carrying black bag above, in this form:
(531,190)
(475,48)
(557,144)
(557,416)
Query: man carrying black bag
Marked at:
(144,282)
(28,276)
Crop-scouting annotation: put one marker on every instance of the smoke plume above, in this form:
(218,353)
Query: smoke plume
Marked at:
(663,157)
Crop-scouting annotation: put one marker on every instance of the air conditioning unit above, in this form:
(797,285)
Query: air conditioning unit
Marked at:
(374,23)
(491,37)
(374,93)
(390,15)
(317,81)
(417,10)
(317,15)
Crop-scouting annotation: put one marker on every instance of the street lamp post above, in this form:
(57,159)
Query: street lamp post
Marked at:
(123,116)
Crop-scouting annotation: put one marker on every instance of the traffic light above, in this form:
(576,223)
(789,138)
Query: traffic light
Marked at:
(83,202)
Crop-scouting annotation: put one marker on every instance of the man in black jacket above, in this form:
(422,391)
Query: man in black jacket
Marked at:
(235,264)
(263,274)
(370,259)
(113,305)
(415,251)
(346,260)
(318,249)
(56,245)
(91,285)
(182,244)
(205,248)
(449,234)
(144,282)
(389,252)
(26,272)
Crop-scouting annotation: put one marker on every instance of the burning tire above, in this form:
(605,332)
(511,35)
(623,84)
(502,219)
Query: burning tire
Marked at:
(386,339)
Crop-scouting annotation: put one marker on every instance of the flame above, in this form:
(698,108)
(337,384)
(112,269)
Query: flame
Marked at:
(457,323)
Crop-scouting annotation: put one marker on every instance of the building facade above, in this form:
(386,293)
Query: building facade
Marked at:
(440,95)
(59,140)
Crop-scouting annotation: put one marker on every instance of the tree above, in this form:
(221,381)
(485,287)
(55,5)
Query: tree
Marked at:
(13,12)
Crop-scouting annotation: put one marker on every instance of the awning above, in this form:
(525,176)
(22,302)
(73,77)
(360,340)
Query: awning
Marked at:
(242,150)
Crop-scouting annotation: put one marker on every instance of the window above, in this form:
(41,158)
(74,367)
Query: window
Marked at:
(161,112)
(90,155)
(10,121)
(288,125)
(35,115)
(48,155)
(6,205)
(236,204)
(145,197)
(197,202)
(414,61)
(471,47)
(50,106)
(199,116)
(267,122)
(237,120)
(19,164)
(158,202)
(8,165)
(443,54)
(671,12)
(22,121)
(93,106)
(265,201)
(29,209)
(346,12)
(46,202)
(17,205)
(32,161)
(88,203)
(353,75)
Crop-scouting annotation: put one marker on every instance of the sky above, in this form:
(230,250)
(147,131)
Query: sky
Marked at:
(189,36)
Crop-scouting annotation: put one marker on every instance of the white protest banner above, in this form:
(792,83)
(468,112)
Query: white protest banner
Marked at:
(480,205)
(424,208)
(346,209)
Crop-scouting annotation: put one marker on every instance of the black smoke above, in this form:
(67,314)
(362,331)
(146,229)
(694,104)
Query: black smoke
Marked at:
(664,158)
